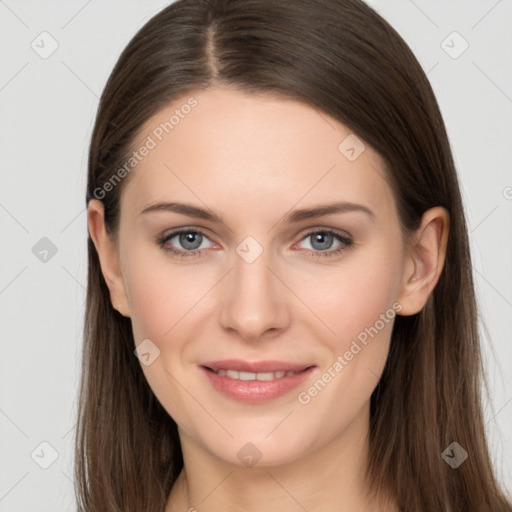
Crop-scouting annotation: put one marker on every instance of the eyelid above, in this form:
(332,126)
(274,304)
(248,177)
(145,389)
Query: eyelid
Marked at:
(317,229)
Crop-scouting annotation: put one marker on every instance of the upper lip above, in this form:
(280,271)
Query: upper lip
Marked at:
(255,366)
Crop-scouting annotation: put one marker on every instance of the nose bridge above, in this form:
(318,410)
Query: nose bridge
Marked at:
(253,302)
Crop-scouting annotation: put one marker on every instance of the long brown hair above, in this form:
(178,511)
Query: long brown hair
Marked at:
(342,58)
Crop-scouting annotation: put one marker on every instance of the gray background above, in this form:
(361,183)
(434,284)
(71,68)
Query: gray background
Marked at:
(47,111)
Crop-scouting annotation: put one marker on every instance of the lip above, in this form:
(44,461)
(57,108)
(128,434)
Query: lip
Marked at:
(255,391)
(255,366)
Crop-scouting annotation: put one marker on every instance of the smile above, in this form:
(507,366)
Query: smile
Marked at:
(233,374)
(254,387)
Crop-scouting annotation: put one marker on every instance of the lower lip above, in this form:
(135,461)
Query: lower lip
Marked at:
(255,391)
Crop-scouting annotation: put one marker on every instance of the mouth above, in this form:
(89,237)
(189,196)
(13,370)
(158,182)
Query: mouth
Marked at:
(255,382)
(247,376)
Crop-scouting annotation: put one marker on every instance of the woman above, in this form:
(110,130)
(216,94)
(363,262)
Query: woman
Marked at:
(275,215)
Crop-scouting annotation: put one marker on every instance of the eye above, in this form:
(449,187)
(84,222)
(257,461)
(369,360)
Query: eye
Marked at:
(190,239)
(192,243)
(322,240)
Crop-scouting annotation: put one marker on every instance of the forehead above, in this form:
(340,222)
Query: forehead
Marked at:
(224,145)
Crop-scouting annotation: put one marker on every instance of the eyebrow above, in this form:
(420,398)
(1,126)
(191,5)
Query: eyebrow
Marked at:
(293,217)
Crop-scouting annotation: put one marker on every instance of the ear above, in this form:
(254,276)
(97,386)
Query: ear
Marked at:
(425,257)
(108,255)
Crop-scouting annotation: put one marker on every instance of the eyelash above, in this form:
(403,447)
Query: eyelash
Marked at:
(347,243)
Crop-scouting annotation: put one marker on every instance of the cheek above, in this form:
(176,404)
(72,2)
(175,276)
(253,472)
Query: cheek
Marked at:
(162,294)
(163,303)
(357,304)
(352,297)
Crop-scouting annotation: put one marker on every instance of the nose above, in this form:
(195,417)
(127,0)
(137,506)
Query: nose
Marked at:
(254,300)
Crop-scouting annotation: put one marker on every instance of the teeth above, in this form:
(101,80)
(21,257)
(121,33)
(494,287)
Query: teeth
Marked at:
(233,374)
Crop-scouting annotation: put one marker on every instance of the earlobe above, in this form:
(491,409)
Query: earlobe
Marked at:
(108,256)
(425,260)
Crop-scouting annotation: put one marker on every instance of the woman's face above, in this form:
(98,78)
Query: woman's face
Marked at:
(264,283)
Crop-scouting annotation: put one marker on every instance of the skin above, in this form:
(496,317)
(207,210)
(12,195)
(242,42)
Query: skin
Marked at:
(251,159)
